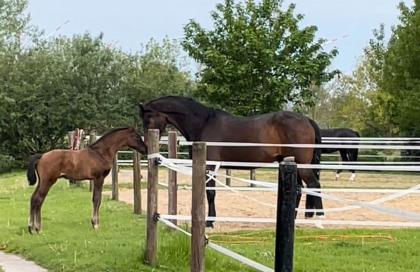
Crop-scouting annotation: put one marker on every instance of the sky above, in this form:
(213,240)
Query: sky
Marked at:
(347,25)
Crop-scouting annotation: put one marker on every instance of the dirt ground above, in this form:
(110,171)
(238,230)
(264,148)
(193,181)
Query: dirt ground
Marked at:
(262,204)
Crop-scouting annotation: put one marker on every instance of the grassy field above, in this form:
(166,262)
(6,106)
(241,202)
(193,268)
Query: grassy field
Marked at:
(68,243)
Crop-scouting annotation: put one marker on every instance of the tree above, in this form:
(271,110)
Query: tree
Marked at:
(257,58)
(401,71)
(64,83)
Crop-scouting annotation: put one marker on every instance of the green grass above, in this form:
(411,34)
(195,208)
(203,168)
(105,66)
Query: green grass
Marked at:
(334,250)
(68,243)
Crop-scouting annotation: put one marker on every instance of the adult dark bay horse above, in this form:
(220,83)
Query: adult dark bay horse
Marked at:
(346,154)
(93,162)
(200,123)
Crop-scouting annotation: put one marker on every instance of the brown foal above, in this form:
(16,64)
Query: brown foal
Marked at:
(93,162)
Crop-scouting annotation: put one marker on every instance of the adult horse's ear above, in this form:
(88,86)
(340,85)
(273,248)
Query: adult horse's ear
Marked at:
(141,110)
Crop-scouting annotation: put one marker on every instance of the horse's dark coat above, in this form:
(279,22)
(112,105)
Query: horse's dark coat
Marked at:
(347,154)
(200,123)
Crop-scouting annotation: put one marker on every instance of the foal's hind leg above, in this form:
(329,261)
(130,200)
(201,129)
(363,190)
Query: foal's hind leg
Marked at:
(37,200)
(96,199)
(312,202)
(31,223)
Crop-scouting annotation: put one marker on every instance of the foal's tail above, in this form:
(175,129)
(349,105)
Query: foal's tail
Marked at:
(31,172)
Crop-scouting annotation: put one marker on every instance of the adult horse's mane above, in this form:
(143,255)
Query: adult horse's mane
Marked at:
(189,103)
(106,135)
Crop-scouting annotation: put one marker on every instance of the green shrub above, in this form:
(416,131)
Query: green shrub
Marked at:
(6,163)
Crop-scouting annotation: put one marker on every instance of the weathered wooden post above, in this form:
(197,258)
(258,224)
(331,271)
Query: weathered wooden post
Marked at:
(92,139)
(198,215)
(71,144)
(286,205)
(114,173)
(137,181)
(228,180)
(75,143)
(252,176)
(172,175)
(152,197)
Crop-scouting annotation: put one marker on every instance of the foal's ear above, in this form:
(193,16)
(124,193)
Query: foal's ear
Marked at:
(141,110)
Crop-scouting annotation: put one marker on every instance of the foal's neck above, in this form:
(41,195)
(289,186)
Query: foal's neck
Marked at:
(109,147)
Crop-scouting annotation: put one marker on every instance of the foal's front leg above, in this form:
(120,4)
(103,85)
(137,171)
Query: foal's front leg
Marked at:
(96,199)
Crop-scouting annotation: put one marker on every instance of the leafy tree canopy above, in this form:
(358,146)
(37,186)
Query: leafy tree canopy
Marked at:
(257,58)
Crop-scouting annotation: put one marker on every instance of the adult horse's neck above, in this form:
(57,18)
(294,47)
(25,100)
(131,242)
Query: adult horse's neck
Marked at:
(189,125)
(108,145)
(187,115)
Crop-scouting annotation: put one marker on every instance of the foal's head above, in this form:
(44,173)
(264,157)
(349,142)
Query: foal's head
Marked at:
(135,141)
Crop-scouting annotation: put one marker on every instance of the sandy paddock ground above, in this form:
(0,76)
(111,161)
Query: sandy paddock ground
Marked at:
(245,204)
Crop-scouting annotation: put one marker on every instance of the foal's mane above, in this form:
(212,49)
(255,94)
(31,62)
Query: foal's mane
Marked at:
(105,136)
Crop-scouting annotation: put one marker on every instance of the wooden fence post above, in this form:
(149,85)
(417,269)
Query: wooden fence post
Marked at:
(286,205)
(252,176)
(172,176)
(198,215)
(70,136)
(114,173)
(137,181)
(152,198)
(92,139)
(228,180)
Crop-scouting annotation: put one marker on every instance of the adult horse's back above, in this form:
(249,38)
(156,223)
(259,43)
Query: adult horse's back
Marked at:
(200,123)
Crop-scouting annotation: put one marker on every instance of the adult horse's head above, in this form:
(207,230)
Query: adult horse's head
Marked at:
(184,113)
(152,118)
(135,141)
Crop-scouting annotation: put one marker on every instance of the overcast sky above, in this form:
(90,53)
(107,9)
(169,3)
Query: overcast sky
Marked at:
(129,23)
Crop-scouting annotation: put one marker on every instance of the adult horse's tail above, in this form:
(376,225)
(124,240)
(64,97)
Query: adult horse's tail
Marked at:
(316,159)
(31,172)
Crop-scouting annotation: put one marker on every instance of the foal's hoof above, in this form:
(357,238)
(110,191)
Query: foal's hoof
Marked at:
(209,224)
(32,230)
(95,226)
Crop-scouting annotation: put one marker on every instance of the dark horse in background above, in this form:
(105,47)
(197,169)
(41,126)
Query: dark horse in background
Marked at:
(347,154)
(200,123)
(93,162)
